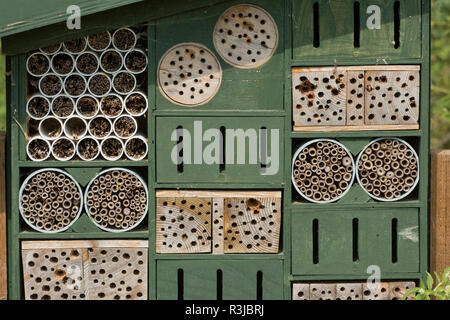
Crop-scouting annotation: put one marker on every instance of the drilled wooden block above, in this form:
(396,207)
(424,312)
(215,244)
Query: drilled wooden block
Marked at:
(218,231)
(319,97)
(392,97)
(380,292)
(86,270)
(322,291)
(398,289)
(183,225)
(355,98)
(348,291)
(252,225)
(300,291)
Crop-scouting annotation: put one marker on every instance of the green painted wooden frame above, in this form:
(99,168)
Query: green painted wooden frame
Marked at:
(16,46)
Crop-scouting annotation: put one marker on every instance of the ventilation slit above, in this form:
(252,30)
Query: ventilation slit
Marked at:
(316,25)
(222,149)
(259,286)
(356,24)
(180,278)
(263,148)
(394,240)
(355,240)
(315,241)
(397,24)
(180,149)
(219,284)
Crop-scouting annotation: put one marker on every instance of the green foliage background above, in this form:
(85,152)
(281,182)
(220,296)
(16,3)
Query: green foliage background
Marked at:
(440,69)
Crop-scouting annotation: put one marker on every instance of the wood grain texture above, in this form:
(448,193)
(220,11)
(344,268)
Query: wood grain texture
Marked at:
(355,101)
(85,273)
(60,244)
(252,225)
(183,225)
(3,264)
(218,226)
(384,127)
(440,211)
(216,194)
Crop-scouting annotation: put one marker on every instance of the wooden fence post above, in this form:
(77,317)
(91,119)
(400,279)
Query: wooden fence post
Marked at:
(440,211)
(3,281)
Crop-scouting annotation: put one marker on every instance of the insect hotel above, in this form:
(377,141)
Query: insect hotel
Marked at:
(217,149)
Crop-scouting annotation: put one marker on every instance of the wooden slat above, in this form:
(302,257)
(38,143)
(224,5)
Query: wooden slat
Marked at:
(59,244)
(356,128)
(217,194)
(3,277)
(358,68)
(440,211)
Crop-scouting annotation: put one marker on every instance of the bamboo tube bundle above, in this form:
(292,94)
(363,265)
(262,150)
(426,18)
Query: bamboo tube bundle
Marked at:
(50,200)
(116,200)
(388,169)
(323,170)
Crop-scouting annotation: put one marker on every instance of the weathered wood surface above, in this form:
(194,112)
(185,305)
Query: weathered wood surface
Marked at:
(218,226)
(217,194)
(440,211)
(3,268)
(66,271)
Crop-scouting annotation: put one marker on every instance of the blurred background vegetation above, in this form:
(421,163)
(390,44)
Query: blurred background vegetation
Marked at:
(440,71)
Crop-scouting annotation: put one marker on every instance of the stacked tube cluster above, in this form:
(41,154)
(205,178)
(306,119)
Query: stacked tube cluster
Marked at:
(116,200)
(50,200)
(323,170)
(87,98)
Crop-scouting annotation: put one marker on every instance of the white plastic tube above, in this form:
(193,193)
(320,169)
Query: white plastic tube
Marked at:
(118,120)
(71,76)
(42,55)
(49,126)
(54,145)
(130,96)
(56,56)
(45,78)
(53,107)
(140,138)
(104,154)
(91,131)
(103,56)
(102,107)
(78,108)
(99,49)
(128,55)
(30,143)
(120,73)
(92,78)
(115,35)
(84,140)
(37,96)
(75,128)
(80,56)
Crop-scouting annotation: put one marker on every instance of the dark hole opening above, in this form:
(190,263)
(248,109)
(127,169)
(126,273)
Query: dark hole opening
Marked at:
(180,149)
(397,24)
(356,24)
(180,279)
(315,226)
(219,284)
(355,240)
(259,286)
(394,240)
(316,25)
(222,149)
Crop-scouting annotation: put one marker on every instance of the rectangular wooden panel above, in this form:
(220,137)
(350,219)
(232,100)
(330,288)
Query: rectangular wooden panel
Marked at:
(327,29)
(226,279)
(440,211)
(85,270)
(356,98)
(347,242)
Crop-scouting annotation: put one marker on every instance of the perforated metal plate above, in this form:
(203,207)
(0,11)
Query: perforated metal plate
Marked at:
(189,74)
(246,36)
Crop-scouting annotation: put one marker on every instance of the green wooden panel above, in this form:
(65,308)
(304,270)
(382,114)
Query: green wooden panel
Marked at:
(256,89)
(337,30)
(336,241)
(197,171)
(200,280)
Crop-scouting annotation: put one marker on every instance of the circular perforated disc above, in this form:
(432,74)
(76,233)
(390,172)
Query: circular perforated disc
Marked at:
(246,36)
(189,74)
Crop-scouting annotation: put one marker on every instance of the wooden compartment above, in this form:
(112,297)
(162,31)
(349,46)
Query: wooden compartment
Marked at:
(218,221)
(356,98)
(85,270)
(350,290)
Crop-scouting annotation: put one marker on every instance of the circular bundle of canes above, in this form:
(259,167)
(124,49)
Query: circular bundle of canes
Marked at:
(323,170)
(388,169)
(116,200)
